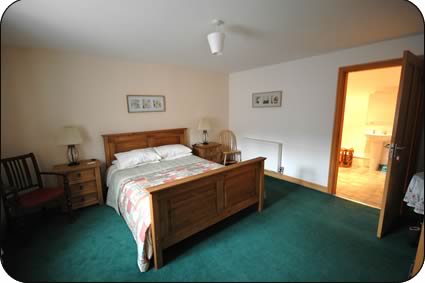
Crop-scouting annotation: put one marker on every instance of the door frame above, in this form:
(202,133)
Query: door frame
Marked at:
(341,94)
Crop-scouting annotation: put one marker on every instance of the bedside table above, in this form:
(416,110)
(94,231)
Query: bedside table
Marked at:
(210,151)
(84,182)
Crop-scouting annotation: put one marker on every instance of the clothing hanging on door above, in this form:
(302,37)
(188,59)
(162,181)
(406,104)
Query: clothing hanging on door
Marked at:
(414,196)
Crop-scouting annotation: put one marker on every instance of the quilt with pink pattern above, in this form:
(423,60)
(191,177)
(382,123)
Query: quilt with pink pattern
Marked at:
(133,199)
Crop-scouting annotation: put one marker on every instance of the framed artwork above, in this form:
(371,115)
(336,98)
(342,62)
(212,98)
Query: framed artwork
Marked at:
(145,103)
(267,99)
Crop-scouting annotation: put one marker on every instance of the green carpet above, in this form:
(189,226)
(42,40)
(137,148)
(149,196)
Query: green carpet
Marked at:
(302,235)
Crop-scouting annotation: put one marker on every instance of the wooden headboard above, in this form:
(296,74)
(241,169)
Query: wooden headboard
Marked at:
(115,143)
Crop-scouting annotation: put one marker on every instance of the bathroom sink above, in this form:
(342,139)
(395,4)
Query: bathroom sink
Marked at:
(378,135)
(377,142)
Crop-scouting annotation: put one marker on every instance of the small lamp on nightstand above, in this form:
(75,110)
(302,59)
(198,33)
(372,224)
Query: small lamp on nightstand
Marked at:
(71,136)
(204,125)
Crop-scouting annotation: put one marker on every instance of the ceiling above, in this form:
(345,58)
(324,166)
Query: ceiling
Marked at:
(363,83)
(258,32)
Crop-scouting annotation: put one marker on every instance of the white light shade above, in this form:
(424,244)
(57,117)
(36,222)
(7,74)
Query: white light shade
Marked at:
(216,42)
(204,124)
(70,136)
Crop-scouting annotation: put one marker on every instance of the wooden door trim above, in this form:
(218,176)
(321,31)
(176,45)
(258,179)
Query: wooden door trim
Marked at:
(341,93)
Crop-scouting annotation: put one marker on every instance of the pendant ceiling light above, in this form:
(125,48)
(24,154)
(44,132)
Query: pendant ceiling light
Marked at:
(216,39)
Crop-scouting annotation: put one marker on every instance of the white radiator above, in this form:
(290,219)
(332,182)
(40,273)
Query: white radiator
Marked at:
(272,150)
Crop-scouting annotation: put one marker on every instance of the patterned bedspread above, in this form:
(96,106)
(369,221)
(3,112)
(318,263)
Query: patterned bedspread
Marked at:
(133,200)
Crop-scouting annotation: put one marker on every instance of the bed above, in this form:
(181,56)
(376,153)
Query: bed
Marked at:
(164,203)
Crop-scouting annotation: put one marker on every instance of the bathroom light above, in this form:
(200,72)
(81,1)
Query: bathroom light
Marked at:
(216,39)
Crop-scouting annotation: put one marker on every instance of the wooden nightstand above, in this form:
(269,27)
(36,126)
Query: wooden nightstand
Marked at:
(210,151)
(84,182)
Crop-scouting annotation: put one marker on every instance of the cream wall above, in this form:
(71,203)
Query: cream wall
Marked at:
(304,123)
(367,113)
(44,90)
(381,110)
(355,118)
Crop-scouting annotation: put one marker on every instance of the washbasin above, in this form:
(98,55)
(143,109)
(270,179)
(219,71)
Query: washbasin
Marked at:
(383,136)
(377,141)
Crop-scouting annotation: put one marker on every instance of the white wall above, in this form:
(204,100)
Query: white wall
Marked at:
(304,123)
(44,90)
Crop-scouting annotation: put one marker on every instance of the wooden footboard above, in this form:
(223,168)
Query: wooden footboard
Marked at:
(185,207)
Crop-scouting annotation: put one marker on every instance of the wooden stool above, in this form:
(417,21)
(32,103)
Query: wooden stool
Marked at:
(346,157)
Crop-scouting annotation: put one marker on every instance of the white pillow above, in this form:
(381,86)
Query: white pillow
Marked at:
(171,150)
(136,157)
(178,156)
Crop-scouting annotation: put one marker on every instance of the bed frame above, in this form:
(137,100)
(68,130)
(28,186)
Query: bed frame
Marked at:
(182,208)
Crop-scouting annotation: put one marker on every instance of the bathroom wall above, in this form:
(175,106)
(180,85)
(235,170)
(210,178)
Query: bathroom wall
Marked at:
(380,118)
(355,118)
(367,113)
(369,109)
(381,110)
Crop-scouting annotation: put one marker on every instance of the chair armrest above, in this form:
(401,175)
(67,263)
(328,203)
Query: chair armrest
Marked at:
(65,179)
(9,194)
(64,175)
(8,190)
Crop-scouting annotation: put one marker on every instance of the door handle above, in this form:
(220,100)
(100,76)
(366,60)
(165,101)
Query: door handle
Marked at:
(394,149)
(400,147)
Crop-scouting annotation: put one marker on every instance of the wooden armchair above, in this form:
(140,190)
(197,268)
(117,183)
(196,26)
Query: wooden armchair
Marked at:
(229,147)
(25,191)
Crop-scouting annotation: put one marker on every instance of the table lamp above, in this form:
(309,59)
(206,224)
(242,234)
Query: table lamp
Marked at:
(71,136)
(204,125)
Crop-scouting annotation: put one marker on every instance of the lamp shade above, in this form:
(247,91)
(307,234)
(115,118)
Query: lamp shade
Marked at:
(204,124)
(216,42)
(70,136)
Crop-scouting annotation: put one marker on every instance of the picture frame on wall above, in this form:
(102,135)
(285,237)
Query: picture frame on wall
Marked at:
(267,99)
(145,103)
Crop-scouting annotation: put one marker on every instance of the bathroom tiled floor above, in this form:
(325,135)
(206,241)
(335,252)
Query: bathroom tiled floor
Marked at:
(361,185)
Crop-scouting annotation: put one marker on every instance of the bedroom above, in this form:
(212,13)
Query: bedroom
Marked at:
(71,64)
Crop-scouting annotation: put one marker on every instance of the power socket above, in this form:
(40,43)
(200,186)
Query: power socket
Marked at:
(281,169)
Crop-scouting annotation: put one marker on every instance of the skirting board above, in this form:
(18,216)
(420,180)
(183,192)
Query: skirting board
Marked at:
(296,181)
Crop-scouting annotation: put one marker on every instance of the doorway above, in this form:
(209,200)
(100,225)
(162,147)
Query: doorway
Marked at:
(405,135)
(370,104)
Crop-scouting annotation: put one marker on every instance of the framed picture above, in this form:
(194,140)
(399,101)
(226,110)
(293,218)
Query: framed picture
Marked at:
(267,99)
(145,103)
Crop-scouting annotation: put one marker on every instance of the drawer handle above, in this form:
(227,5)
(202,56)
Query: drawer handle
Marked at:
(78,174)
(81,187)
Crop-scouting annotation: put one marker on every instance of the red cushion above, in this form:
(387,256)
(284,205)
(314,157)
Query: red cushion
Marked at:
(39,196)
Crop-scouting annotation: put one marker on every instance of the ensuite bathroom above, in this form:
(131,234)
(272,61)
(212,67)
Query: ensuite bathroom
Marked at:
(370,105)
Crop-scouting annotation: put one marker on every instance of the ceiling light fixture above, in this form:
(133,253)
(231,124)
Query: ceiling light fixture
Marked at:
(216,39)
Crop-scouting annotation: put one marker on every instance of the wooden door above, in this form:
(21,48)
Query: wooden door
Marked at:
(404,141)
